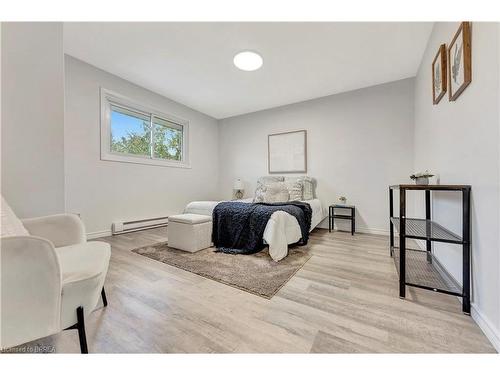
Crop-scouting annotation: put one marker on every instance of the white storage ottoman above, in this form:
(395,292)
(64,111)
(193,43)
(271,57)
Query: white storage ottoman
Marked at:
(189,232)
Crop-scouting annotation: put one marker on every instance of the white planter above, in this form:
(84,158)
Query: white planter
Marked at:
(422,181)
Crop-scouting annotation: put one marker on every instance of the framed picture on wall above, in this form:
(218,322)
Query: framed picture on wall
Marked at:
(459,61)
(287,152)
(439,76)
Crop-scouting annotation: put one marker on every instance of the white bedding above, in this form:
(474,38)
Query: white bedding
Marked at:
(281,230)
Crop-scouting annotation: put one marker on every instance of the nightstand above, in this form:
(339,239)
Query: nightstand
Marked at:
(332,216)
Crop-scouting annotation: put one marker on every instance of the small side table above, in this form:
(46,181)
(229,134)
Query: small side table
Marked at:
(333,216)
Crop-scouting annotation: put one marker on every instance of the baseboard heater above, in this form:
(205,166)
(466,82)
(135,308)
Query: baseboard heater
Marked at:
(120,227)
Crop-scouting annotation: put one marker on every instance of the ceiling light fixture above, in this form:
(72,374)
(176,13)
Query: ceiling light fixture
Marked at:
(248,61)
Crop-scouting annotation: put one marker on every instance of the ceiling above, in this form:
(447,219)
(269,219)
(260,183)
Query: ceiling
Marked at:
(192,63)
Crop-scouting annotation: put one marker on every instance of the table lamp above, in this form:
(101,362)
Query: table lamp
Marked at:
(238,188)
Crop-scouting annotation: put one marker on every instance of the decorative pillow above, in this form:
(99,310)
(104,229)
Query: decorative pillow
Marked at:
(262,183)
(295,187)
(276,192)
(270,179)
(10,224)
(308,188)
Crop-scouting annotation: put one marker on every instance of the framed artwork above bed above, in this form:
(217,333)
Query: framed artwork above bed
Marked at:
(287,152)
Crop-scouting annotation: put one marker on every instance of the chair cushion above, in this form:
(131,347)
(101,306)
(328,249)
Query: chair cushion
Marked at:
(189,218)
(84,260)
(10,224)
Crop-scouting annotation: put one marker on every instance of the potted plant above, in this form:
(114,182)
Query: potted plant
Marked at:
(422,178)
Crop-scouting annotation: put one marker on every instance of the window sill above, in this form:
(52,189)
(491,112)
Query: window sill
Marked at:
(145,161)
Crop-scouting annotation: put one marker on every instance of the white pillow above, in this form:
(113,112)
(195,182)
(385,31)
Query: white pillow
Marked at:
(262,183)
(10,225)
(276,192)
(308,188)
(295,188)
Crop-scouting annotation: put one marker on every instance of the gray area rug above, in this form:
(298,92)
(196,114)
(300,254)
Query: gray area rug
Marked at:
(256,273)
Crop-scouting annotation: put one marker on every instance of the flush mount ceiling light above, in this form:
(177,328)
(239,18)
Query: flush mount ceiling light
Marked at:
(248,61)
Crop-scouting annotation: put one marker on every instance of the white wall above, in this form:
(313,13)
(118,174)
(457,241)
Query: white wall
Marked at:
(460,141)
(33,117)
(104,191)
(359,143)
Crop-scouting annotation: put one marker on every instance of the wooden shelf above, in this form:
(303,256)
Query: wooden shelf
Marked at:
(430,187)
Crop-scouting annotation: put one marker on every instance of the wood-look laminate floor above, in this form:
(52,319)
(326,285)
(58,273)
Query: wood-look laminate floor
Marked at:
(344,300)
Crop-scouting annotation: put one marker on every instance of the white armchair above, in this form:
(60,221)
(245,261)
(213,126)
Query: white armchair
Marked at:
(51,279)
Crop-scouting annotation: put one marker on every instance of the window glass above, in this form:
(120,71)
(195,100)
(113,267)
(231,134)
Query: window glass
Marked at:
(167,140)
(130,132)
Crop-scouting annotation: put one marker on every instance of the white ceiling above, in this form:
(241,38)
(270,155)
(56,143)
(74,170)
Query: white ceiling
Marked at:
(192,63)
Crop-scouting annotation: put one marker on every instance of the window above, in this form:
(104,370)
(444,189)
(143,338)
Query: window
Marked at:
(133,133)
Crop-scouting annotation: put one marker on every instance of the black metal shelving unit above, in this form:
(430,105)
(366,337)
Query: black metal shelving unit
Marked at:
(419,268)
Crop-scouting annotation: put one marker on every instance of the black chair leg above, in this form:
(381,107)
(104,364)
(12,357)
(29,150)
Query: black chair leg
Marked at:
(103,296)
(81,330)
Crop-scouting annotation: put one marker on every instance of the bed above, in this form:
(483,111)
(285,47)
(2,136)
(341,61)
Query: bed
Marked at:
(281,230)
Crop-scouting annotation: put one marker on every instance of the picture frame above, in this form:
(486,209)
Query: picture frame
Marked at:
(287,152)
(459,61)
(439,76)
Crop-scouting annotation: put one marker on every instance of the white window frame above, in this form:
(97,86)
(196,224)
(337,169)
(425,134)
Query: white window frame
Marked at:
(107,99)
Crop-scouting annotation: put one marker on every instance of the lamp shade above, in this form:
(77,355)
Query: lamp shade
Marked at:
(238,185)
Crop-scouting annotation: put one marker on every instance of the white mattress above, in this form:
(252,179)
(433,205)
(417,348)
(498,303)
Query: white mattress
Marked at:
(281,230)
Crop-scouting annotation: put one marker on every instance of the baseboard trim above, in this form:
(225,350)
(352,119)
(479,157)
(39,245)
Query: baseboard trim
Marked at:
(99,234)
(347,228)
(486,326)
(378,231)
